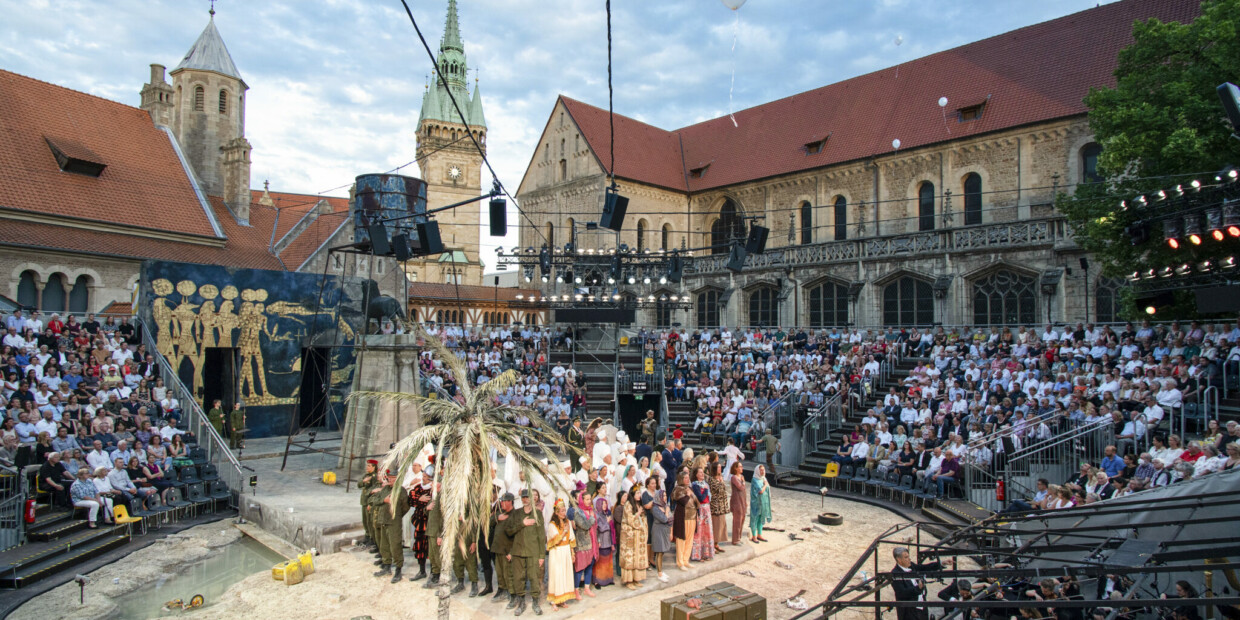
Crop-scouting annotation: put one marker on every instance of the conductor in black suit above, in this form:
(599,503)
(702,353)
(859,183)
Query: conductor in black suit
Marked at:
(908,586)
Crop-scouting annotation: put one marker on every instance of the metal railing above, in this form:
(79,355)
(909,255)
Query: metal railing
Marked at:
(819,426)
(195,420)
(13,494)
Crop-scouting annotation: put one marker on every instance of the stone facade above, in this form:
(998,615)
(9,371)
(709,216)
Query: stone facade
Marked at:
(106,280)
(886,238)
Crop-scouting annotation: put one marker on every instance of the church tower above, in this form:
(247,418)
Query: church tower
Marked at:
(449,162)
(207,116)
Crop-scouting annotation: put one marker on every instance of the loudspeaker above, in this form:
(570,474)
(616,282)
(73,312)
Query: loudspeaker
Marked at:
(378,240)
(401,247)
(499,217)
(675,269)
(1084,263)
(428,235)
(756,243)
(736,258)
(614,208)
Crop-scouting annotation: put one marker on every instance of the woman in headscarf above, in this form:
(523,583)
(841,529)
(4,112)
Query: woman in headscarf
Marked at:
(604,571)
(718,504)
(660,525)
(633,559)
(738,502)
(685,519)
(560,541)
(586,549)
(629,480)
(704,536)
(759,504)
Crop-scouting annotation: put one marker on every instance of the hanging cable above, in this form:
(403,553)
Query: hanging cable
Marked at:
(611,112)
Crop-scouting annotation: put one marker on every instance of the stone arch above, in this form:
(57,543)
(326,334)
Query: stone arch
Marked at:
(1074,158)
(718,217)
(913,202)
(958,193)
(1003,294)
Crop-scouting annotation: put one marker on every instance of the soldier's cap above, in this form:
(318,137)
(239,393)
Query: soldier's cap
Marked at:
(525,492)
(372,462)
(507,497)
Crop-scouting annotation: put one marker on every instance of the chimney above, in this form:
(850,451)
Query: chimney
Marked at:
(157,73)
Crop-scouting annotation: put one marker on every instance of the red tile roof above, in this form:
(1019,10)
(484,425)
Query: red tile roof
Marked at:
(117,308)
(312,238)
(143,177)
(1030,75)
(434,291)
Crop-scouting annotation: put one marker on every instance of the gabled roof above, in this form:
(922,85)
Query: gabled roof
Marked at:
(1030,75)
(210,54)
(143,175)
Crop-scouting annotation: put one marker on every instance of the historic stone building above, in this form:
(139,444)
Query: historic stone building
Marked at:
(914,195)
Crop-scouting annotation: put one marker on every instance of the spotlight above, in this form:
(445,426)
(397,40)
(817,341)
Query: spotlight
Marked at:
(559,279)
(1231,217)
(1151,310)
(1214,223)
(1228,263)
(591,298)
(1196,185)
(520,296)
(1171,232)
(544,279)
(632,280)
(1134,276)
(611,280)
(616,297)
(646,280)
(1205,266)
(1166,272)
(1192,229)
(1183,270)
(650,299)
(662,279)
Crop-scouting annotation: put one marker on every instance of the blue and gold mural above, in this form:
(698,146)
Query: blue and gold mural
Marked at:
(262,321)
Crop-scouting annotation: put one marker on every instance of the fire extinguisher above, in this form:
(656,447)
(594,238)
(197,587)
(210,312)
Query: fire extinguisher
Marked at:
(999,491)
(30,511)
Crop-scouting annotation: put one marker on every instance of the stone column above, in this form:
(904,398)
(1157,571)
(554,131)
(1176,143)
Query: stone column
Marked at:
(388,363)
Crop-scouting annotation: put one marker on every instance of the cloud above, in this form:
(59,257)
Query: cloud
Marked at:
(336,86)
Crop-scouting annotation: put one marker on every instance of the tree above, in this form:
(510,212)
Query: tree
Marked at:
(1160,126)
(464,430)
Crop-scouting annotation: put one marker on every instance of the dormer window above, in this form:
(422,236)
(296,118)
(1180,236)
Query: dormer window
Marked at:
(73,157)
(816,147)
(970,113)
(699,172)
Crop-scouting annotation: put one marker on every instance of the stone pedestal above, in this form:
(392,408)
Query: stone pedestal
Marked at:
(386,363)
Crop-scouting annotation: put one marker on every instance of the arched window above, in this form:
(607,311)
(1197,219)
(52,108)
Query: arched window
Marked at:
(662,310)
(563,169)
(27,290)
(1109,301)
(200,97)
(764,308)
(1005,298)
(908,301)
(925,206)
(841,218)
(572,231)
(551,236)
(79,296)
(667,237)
(972,199)
(223,102)
(547,153)
(562,143)
(641,235)
(807,223)
(828,305)
(1089,163)
(729,226)
(707,309)
(54,293)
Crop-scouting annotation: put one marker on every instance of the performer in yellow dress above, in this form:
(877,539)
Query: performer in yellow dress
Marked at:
(560,541)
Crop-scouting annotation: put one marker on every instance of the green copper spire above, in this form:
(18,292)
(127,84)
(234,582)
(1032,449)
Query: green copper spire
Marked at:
(452,31)
(451,65)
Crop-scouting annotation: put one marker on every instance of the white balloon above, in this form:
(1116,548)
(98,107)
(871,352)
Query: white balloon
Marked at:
(899,37)
(942,102)
(895,144)
(733,4)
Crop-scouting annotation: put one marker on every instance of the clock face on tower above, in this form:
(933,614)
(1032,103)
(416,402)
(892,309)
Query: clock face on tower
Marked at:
(454,173)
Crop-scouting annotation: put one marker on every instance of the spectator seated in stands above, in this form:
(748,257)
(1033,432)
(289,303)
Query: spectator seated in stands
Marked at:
(120,481)
(55,480)
(86,495)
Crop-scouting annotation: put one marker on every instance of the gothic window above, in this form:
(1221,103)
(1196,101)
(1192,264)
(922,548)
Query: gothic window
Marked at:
(54,293)
(199,99)
(662,311)
(828,305)
(1108,297)
(729,226)
(223,102)
(1089,163)
(1005,298)
(562,142)
(907,302)
(641,235)
(925,206)
(972,199)
(79,296)
(551,235)
(764,308)
(27,290)
(807,223)
(667,237)
(841,218)
(563,169)
(707,309)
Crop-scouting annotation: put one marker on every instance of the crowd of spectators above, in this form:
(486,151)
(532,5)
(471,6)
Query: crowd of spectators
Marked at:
(85,402)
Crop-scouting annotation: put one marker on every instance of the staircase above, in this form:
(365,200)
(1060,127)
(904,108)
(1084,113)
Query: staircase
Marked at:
(56,540)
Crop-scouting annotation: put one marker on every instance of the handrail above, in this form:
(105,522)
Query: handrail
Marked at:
(819,426)
(664,414)
(12,508)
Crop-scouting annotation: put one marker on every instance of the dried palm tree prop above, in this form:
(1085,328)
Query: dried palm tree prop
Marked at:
(463,431)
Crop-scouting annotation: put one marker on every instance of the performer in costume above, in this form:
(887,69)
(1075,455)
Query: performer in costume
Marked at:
(560,543)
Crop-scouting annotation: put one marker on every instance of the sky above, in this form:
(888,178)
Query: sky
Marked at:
(336,85)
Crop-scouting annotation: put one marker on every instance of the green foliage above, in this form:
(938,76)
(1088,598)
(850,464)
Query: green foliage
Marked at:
(1161,125)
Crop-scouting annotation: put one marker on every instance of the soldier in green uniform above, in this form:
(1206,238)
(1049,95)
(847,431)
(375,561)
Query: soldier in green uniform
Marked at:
(501,544)
(216,417)
(465,562)
(366,485)
(528,553)
(236,418)
(434,536)
(389,526)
